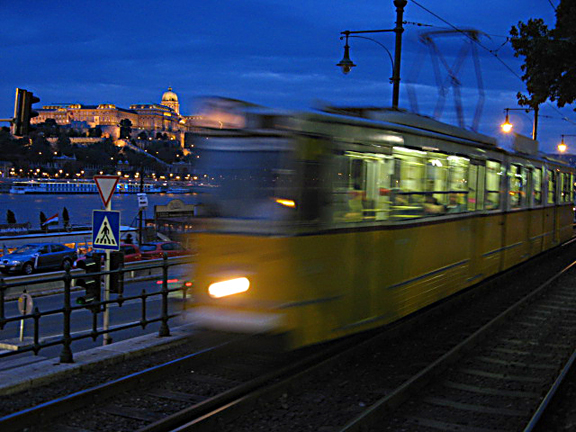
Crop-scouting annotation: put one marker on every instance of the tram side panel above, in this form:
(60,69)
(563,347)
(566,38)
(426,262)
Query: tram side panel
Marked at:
(565,222)
(535,231)
(489,240)
(516,245)
(436,261)
(379,276)
(549,228)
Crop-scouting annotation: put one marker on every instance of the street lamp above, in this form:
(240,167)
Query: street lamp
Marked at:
(507,126)
(346,64)
(562,147)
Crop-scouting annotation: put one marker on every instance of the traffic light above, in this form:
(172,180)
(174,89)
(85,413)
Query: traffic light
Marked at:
(23,111)
(91,283)
(116,279)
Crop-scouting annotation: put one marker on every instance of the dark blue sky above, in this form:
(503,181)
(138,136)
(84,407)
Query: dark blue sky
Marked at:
(271,52)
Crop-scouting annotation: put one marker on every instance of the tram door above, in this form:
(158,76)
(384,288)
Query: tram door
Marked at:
(369,175)
(550,229)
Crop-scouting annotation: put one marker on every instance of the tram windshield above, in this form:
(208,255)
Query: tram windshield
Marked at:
(246,184)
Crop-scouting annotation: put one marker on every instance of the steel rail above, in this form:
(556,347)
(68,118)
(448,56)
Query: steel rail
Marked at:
(60,406)
(372,416)
(544,405)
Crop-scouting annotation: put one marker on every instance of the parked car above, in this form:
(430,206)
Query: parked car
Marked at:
(38,256)
(131,254)
(157,249)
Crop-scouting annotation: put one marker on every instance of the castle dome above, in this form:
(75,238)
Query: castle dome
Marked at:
(169,96)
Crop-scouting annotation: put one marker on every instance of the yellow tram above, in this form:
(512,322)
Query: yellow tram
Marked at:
(319,225)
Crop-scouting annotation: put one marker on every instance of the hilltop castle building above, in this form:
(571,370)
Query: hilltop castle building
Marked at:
(149,118)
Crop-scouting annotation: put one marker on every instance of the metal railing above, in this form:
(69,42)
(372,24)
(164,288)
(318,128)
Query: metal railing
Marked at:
(96,307)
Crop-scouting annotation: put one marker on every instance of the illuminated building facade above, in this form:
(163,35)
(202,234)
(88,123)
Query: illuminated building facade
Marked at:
(150,118)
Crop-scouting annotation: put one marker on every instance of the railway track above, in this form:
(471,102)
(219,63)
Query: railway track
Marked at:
(499,378)
(341,386)
(160,398)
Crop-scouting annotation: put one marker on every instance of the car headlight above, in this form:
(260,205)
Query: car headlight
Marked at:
(229,287)
(15,262)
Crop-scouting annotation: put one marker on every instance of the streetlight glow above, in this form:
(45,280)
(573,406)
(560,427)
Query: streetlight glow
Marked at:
(506,126)
(562,147)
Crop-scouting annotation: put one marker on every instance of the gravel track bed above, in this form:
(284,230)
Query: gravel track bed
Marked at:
(328,401)
(76,382)
(519,381)
(200,383)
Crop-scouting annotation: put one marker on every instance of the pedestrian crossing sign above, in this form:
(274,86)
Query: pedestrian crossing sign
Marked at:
(106,230)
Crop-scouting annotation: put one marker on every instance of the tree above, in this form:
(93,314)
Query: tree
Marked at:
(65,218)
(125,128)
(95,132)
(549,57)
(10,217)
(64,145)
(143,135)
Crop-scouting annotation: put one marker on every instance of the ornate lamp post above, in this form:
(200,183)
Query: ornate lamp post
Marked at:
(346,64)
(507,126)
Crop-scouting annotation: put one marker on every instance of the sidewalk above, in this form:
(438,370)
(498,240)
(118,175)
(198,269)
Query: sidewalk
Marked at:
(46,371)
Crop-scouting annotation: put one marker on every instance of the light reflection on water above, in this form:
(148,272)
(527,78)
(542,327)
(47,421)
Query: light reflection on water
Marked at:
(27,208)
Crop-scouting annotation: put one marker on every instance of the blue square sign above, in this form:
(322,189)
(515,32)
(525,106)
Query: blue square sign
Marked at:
(106,230)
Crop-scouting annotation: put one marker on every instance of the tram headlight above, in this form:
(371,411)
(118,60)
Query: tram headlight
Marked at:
(229,287)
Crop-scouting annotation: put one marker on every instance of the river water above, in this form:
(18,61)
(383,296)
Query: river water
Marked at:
(27,207)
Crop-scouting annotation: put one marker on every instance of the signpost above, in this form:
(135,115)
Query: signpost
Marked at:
(106,235)
(25,305)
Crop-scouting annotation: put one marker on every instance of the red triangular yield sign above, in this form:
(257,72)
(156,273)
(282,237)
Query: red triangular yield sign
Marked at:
(106,186)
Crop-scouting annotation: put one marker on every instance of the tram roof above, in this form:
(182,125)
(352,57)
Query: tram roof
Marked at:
(413,120)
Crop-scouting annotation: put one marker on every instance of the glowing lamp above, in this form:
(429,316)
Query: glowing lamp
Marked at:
(506,126)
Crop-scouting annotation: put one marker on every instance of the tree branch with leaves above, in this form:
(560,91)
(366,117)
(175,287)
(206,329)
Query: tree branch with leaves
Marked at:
(549,57)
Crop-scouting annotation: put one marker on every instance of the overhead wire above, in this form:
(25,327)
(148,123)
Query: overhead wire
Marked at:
(469,37)
(493,52)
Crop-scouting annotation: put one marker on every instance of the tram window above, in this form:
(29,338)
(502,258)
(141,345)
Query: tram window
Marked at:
(480,196)
(537,186)
(517,179)
(408,183)
(551,187)
(472,188)
(566,195)
(493,175)
(361,187)
(456,200)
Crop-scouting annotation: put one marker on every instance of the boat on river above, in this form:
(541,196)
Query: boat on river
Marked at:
(77,187)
